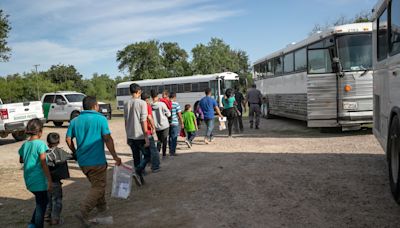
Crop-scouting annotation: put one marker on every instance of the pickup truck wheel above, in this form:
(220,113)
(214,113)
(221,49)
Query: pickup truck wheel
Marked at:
(74,115)
(393,158)
(58,123)
(19,136)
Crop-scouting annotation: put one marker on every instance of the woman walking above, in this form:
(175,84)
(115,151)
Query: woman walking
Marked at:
(229,109)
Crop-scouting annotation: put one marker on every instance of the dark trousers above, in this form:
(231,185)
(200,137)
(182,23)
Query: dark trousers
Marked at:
(239,121)
(138,149)
(54,206)
(231,116)
(41,199)
(190,136)
(162,140)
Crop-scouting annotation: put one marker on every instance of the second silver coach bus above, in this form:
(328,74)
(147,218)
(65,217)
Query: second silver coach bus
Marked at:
(325,79)
(386,46)
(188,89)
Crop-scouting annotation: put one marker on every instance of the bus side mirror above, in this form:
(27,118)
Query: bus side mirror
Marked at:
(337,67)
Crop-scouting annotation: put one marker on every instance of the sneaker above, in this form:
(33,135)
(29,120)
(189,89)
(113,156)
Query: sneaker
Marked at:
(84,221)
(212,139)
(137,179)
(188,143)
(156,170)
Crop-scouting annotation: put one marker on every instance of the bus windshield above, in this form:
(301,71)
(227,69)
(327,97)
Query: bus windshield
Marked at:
(355,52)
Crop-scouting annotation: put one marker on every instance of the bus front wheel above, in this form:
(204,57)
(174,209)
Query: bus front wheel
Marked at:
(393,158)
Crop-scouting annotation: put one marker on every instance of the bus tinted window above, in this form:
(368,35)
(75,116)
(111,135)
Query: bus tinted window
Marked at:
(382,36)
(160,89)
(203,86)
(288,63)
(174,88)
(319,61)
(278,66)
(195,87)
(300,61)
(270,68)
(395,28)
(181,88)
(188,87)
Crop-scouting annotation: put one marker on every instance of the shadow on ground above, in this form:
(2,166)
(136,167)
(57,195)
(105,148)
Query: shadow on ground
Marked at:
(243,190)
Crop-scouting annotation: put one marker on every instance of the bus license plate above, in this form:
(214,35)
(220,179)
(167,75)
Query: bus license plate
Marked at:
(350,105)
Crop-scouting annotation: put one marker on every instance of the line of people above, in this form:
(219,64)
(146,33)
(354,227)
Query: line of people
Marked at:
(150,127)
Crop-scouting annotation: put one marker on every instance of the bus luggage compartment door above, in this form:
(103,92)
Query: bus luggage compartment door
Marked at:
(322,100)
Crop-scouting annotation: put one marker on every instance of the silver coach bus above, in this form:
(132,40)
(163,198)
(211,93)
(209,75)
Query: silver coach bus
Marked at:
(325,79)
(386,55)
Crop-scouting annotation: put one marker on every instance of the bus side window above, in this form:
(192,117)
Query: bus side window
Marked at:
(395,28)
(188,87)
(181,88)
(160,89)
(382,36)
(195,87)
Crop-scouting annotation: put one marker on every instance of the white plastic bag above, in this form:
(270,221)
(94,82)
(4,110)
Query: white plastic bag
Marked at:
(122,182)
(222,123)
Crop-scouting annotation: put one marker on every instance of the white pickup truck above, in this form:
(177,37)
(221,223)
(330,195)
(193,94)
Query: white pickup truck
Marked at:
(15,116)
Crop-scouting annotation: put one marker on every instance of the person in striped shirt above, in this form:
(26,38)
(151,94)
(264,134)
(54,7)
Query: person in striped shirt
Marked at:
(176,120)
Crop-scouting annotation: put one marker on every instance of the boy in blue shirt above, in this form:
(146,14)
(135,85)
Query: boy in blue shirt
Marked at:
(208,105)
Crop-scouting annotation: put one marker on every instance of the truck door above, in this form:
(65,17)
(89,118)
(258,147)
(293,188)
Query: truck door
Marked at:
(47,103)
(60,111)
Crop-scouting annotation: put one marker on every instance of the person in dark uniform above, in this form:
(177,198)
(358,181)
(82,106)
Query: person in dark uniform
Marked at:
(241,105)
(254,99)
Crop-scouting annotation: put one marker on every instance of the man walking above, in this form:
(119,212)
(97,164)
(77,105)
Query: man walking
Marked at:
(91,131)
(208,105)
(176,119)
(240,104)
(254,99)
(135,114)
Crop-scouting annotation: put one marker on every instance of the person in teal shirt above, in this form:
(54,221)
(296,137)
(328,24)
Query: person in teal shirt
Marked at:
(36,173)
(91,131)
(230,110)
(190,125)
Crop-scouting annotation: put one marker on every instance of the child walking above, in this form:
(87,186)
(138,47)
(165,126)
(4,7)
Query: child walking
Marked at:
(190,123)
(57,162)
(36,173)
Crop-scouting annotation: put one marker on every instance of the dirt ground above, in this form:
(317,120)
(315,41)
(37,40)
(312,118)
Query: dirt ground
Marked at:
(284,175)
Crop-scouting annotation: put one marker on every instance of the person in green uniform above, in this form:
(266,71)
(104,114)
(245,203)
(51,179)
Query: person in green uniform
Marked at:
(190,123)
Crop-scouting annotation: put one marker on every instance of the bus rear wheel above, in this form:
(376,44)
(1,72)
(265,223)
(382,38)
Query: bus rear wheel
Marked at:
(58,123)
(393,158)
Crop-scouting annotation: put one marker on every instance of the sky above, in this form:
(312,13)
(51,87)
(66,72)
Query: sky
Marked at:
(88,33)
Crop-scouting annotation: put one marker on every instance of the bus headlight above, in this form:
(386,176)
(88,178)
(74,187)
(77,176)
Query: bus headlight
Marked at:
(350,105)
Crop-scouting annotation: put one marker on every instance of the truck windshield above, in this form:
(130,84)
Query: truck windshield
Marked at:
(355,52)
(75,97)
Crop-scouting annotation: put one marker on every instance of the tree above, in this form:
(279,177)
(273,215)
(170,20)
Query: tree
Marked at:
(4,30)
(217,56)
(67,76)
(174,59)
(101,86)
(141,60)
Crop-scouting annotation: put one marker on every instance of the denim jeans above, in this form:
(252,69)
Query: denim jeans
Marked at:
(54,206)
(190,136)
(138,149)
(173,138)
(210,127)
(41,199)
(154,154)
